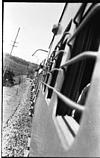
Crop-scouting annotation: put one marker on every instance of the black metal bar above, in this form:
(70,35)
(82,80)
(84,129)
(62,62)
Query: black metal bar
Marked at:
(63,12)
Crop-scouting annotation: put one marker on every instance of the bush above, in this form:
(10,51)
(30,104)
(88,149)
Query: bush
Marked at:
(8,78)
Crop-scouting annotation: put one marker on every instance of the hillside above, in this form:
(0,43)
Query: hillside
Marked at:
(18,65)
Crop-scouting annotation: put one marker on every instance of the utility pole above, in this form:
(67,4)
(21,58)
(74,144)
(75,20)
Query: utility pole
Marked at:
(12,47)
(15,41)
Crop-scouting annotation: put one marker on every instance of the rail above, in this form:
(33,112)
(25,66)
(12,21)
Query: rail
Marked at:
(84,55)
(40,50)
(55,69)
(48,73)
(80,57)
(59,52)
(68,101)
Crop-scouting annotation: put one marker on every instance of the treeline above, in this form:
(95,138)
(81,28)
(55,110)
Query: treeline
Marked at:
(16,67)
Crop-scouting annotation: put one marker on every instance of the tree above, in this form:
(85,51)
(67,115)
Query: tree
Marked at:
(8,77)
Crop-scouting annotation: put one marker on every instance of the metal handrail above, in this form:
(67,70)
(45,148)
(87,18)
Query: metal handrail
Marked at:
(48,73)
(65,99)
(55,69)
(75,59)
(40,50)
(59,52)
(80,57)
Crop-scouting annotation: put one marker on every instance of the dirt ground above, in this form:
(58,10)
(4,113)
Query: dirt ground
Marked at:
(16,120)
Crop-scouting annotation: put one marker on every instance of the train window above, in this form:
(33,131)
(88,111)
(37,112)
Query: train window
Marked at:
(55,73)
(46,79)
(62,43)
(49,67)
(79,74)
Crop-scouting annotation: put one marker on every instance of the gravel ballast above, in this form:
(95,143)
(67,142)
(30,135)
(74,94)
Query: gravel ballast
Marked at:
(17,129)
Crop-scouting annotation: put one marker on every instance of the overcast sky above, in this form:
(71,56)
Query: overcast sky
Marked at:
(35,21)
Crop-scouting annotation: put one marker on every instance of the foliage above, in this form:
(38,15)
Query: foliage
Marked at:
(18,65)
(8,78)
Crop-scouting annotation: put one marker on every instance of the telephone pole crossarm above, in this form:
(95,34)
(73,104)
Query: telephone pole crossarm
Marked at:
(15,41)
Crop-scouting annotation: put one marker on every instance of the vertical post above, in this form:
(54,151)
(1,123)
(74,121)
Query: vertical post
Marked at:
(15,41)
(12,48)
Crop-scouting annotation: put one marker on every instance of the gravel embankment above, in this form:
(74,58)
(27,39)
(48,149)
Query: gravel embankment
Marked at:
(16,131)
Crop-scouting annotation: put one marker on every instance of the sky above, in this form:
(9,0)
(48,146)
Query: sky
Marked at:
(35,21)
